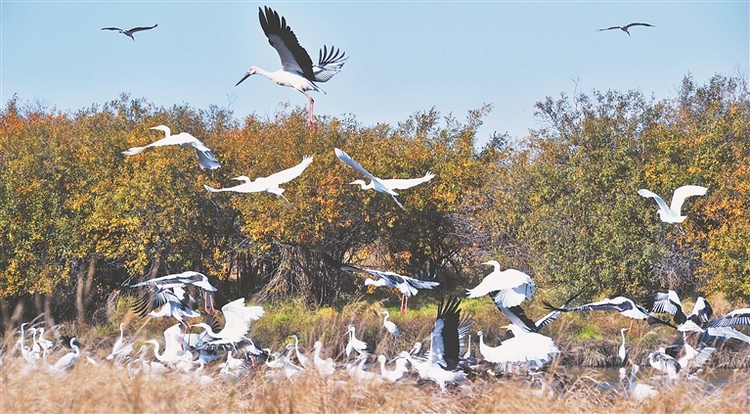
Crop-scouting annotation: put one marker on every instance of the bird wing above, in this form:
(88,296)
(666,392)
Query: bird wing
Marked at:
(141,28)
(735,317)
(647,193)
(702,311)
(346,159)
(680,194)
(290,173)
(668,302)
(294,58)
(610,28)
(197,279)
(112,28)
(627,26)
(404,183)
(444,345)
(329,63)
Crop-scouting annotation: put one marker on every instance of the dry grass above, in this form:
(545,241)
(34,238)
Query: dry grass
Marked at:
(99,389)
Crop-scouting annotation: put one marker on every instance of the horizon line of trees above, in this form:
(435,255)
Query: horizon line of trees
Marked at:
(79,219)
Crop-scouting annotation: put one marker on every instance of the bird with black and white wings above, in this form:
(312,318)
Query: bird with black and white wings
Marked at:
(508,287)
(129,32)
(206,158)
(735,317)
(297,69)
(180,280)
(269,184)
(672,213)
(625,306)
(408,286)
(626,27)
(385,186)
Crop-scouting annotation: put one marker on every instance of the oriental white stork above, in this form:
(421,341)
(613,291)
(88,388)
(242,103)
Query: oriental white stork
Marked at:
(269,184)
(129,32)
(408,286)
(442,363)
(735,317)
(297,69)
(626,307)
(509,287)
(181,280)
(626,27)
(672,213)
(381,185)
(669,302)
(206,158)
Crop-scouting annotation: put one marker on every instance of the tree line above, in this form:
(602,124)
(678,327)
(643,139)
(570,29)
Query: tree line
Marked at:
(79,219)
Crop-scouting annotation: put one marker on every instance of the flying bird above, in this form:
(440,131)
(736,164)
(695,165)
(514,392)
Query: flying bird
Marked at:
(625,306)
(181,280)
(385,186)
(297,69)
(408,286)
(129,32)
(206,158)
(269,184)
(508,287)
(671,214)
(626,27)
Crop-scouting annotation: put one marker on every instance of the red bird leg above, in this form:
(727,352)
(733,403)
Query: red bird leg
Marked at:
(310,116)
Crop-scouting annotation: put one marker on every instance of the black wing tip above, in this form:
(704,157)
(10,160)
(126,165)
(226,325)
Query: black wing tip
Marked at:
(549,306)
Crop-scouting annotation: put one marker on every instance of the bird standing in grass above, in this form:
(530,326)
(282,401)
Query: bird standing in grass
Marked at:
(390,326)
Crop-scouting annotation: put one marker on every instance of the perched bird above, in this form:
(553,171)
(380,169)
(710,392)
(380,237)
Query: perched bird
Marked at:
(385,186)
(389,325)
(508,287)
(129,32)
(672,213)
(269,184)
(626,27)
(297,70)
(206,158)
(408,286)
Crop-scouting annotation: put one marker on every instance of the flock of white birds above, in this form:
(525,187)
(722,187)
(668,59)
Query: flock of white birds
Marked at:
(206,351)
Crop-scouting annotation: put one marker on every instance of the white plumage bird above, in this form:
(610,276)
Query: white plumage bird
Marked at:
(672,213)
(385,186)
(269,184)
(389,325)
(527,348)
(206,158)
(69,359)
(297,69)
(129,32)
(238,318)
(509,287)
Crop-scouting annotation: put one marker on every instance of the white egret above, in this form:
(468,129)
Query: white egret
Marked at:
(508,287)
(69,359)
(637,390)
(385,186)
(672,213)
(206,158)
(323,366)
(121,349)
(397,373)
(389,325)
(269,184)
(408,286)
(527,348)
(181,280)
(622,352)
(129,32)
(626,27)
(238,318)
(301,358)
(297,69)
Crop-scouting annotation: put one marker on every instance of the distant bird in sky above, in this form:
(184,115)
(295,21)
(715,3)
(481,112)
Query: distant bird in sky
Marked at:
(129,32)
(671,214)
(270,183)
(297,70)
(385,186)
(626,27)
(206,158)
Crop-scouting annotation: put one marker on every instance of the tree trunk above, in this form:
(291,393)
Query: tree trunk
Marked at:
(89,282)
(79,297)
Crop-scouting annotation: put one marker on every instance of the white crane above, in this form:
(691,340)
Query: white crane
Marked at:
(206,158)
(626,27)
(181,280)
(297,69)
(129,32)
(385,186)
(408,286)
(389,325)
(508,287)
(269,184)
(672,213)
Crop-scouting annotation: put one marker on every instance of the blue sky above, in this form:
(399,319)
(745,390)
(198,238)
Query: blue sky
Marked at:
(404,56)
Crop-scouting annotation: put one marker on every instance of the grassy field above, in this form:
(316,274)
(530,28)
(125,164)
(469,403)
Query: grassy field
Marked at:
(584,340)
